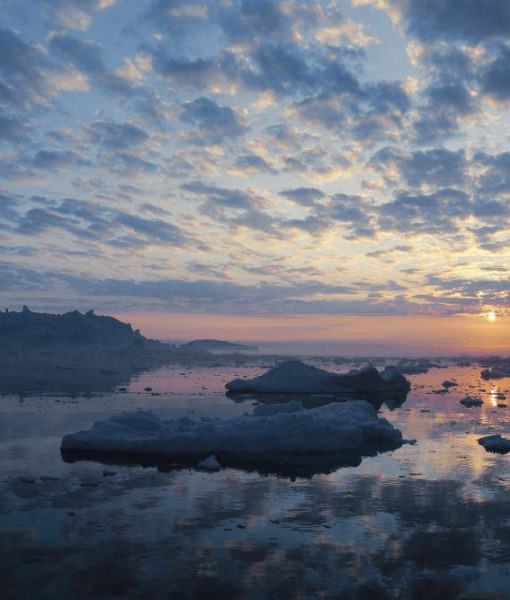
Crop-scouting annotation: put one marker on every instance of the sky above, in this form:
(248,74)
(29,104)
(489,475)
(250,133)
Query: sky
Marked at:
(276,167)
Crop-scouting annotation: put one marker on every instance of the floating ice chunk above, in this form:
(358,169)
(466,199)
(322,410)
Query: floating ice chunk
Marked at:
(390,375)
(296,377)
(498,371)
(209,464)
(470,401)
(448,384)
(277,430)
(495,443)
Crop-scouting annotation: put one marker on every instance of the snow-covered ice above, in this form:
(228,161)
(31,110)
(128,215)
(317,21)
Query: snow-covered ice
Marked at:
(296,377)
(279,430)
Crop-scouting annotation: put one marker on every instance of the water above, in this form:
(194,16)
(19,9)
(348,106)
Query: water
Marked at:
(425,521)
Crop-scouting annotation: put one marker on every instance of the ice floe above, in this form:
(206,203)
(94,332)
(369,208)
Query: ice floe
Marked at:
(276,430)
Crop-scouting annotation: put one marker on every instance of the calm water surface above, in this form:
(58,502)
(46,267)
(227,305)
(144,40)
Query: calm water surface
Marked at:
(430,520)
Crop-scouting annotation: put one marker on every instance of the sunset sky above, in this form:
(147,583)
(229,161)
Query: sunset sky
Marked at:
(289,170)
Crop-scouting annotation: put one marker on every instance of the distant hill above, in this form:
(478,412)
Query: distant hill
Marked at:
(27,329)
(217,346)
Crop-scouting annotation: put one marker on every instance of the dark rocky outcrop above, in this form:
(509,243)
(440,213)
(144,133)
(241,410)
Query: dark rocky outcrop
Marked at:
(29,330)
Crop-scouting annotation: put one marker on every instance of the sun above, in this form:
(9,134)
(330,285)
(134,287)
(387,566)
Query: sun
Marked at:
(491,315)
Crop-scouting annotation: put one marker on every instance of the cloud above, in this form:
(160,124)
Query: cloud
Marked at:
(8,207)
(461,52)
(229,198)
(211,121)
(495,76)
(472,292)
(38,220)
(257,48)
(14,129)
(206,141)
(23,76)
(434,213)
(436,167)
(73,14)
(116,136)
(87,57)
(290,70)
(55,160)
(450,98)
(367,113)
(252,164)
(389,251)
(303,196)
(474,21)
(495,178)
(91,221)
(152,229)
(354,211)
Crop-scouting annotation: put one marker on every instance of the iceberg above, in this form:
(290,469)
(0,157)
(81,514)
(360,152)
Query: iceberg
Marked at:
(296,377)
(274,432)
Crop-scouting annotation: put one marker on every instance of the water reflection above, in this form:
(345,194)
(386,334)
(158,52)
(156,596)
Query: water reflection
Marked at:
(249,536)
(425,521)
(291,466)
(71,380)
(392,399)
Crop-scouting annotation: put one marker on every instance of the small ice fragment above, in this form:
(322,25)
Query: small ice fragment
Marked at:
(27,479)
(209,464)
(448,384)
(470,401)
(495,443)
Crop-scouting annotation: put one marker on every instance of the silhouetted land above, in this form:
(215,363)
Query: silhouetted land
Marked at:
(218,346)
(76,351)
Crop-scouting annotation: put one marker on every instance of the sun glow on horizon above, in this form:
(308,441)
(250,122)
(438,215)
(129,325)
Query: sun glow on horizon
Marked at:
(491,316)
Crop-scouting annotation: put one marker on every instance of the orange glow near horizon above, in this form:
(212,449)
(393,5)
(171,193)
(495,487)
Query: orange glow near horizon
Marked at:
(415,335)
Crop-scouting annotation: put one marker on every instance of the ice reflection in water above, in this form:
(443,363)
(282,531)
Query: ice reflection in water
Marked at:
(429,520)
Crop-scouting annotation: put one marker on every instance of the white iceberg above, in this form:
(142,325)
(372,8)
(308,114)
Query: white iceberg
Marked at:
(277,430)
(296,377)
